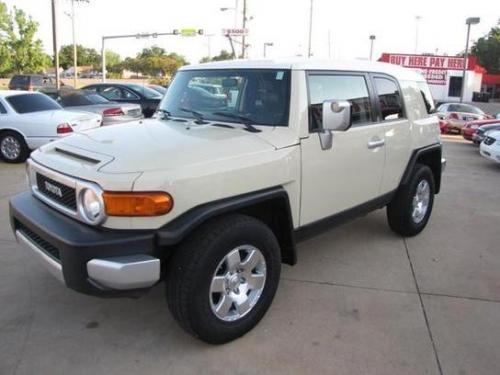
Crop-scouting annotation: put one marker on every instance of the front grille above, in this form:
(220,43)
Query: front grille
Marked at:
(489,141)
(45,246)
(60,193)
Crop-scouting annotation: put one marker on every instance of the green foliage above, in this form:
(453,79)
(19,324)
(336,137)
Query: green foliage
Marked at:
(84,56)
(223,55)
(487,51)
(20,51)
(155,62)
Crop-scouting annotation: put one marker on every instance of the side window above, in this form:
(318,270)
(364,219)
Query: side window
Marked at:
(36,81)
(91,88)
(111,93)
(427,97)
(126,94)
(352,88)
(2,109)
(389,97)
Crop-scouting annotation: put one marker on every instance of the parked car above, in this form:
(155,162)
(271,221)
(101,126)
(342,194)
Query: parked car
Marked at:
(460,113)
(480,133)
(90,101)
(147,98)
(443,127)
(162,90)
(212,201)
(29,120)
(470,128)
(490,146)
(32,82)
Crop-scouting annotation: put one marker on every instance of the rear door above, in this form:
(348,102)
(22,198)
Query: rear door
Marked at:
(349,173)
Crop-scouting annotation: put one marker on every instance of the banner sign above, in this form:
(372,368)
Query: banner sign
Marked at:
(427,62)
(435,76)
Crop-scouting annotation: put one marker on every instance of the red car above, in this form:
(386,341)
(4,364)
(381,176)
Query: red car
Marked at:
(443,126)
(470,128)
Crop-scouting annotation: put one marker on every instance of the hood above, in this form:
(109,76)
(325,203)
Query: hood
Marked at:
(153,144)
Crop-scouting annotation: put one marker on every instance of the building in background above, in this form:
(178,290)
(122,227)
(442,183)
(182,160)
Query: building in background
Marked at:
(491,85)
(443,74)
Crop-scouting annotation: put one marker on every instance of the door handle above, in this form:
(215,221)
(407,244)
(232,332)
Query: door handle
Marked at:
(376,143)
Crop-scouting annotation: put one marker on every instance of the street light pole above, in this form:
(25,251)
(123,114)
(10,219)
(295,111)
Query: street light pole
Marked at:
(372,39)
(417,19)
(469,21)
(75,64)
(243,38)
(309,54)
(54,42)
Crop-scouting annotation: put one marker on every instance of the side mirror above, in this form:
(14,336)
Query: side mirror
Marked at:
(337,115)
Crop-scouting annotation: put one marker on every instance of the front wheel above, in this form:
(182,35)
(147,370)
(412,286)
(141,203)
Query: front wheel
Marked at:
(222,280)
(411,207)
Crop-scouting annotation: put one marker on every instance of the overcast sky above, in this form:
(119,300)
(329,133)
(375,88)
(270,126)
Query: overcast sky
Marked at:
(283,22)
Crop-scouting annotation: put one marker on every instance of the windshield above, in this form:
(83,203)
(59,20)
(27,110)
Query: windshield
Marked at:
(145,91)
(258,96)
(28,103)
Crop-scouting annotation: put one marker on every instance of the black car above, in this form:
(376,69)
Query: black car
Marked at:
(480,133)
(129,93)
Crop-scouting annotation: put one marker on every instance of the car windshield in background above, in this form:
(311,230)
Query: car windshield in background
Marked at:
(162,90)
(29,103)
(146,91)
(257,96)
(464,108)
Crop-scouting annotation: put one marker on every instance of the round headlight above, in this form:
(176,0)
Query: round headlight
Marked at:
(91,204)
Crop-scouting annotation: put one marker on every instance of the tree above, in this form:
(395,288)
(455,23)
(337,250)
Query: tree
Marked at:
(223,55)
(84,56)
(487,51)
(20,50)
(155,61)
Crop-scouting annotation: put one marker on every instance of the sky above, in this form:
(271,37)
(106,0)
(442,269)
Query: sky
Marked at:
(341,29)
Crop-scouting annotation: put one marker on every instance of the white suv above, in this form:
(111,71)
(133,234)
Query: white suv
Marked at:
(212,194)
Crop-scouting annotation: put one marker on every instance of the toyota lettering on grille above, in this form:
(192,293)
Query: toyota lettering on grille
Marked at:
(53,189)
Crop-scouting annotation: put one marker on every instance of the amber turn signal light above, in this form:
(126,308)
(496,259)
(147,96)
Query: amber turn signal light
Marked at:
(137,204)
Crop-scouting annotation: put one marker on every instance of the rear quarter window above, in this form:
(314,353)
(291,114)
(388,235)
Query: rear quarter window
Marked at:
(20,80)
(425,92)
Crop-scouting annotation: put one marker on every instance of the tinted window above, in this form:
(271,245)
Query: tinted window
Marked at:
(28,103)
(2,109)
(146,91)
(74,99)
(96,98)
(259,96)
(339,87)
(20,80)
(111,93)
(389,99)
(36,81)
(426,97)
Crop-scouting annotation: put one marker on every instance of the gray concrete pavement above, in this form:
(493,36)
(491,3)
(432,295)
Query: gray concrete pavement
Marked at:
(360,301)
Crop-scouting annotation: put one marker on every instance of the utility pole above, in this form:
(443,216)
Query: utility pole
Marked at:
(329,44)
(54,42)
(372,40)
(267,44)
(469,21)
(243,39)
(309,54)
(75,64)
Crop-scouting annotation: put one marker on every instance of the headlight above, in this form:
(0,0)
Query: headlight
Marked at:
(91,206)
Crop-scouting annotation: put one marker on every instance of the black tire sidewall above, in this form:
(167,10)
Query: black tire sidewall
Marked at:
(422,172)
(202,319)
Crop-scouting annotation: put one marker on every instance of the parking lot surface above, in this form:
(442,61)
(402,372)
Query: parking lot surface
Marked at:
(361,300)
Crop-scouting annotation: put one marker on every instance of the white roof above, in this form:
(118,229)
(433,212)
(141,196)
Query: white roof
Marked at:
(6,93)
(313,64)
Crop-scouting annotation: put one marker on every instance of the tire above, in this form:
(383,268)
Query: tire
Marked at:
(403,217)
(13,148)
(191,273)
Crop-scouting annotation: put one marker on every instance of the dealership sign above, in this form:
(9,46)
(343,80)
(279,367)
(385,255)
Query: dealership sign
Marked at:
(235,32)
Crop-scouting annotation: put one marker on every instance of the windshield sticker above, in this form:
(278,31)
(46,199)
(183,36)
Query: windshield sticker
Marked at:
(279,75)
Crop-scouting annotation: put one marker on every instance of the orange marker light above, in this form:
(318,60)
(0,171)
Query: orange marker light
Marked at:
(137,204)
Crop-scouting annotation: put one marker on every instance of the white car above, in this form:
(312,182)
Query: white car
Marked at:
(490,146)
(211,197)
(29,120)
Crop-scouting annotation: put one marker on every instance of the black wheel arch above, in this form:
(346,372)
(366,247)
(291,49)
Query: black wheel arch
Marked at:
(271,206)
(429,155)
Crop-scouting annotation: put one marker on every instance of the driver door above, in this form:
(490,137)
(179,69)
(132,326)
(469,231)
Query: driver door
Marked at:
(349,173)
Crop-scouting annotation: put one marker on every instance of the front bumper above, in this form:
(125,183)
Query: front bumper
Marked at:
(490,152)
(90,260)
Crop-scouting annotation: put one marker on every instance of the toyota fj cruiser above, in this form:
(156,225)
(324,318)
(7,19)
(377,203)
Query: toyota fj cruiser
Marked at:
(212,194)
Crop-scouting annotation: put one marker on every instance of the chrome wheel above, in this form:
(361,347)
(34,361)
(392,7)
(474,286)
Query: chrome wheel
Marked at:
(237,283)
(10,148)
(420,203)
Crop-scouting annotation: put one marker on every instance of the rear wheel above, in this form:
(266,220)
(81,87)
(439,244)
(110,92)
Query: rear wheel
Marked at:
(222,280)
(13,148)
(411,207)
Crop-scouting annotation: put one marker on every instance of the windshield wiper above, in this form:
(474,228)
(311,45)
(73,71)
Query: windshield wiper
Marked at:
(243,120)
(199,117)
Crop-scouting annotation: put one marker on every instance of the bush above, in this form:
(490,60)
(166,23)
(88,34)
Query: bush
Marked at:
(162,81)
